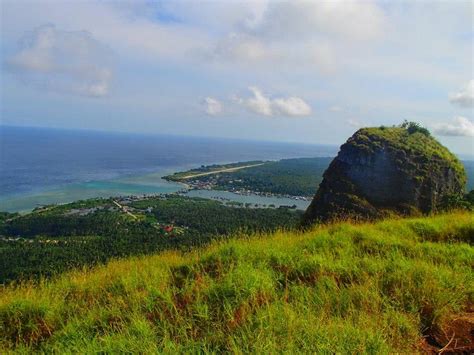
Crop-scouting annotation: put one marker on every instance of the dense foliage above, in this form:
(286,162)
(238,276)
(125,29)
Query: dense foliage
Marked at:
(397,286)
(53,239)
(459,202)
(203,216)
(415,127)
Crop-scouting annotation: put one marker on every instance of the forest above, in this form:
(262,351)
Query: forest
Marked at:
(55,238)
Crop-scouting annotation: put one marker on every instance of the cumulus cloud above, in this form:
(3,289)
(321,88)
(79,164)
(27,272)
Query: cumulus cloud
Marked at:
(292,106)
(464,97)
(300,32)
(69,62)
(212,106)
(460,126)
(283,106)
(351,19)
(258,103)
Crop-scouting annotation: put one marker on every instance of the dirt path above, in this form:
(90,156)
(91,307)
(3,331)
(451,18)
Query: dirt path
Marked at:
(124,209)
(228,170)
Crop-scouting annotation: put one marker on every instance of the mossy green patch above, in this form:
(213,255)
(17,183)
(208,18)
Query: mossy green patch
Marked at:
(420,148)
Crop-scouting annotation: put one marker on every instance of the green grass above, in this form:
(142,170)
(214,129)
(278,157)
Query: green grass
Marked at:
(374,288)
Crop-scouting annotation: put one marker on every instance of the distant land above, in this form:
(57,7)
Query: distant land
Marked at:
(298,177)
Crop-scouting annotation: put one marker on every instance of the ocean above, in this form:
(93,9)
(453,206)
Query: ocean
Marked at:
(41,166)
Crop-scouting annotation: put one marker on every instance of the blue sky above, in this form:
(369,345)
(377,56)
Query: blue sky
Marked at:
(304,71)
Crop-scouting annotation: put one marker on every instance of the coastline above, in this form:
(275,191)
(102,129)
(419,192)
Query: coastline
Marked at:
(150,184)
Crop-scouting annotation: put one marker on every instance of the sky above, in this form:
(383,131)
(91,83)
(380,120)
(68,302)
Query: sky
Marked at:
(298,71)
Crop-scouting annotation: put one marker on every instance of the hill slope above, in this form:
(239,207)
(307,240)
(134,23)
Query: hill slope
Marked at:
(397,285)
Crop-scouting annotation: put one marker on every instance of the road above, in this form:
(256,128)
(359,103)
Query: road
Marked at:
(228,170)
(124,209)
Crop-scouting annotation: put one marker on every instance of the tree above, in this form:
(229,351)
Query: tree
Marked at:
(415,127)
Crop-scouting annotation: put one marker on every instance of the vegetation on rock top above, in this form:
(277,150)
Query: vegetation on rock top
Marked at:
(416,144)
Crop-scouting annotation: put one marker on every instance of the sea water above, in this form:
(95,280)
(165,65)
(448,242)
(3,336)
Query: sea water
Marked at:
(41,166)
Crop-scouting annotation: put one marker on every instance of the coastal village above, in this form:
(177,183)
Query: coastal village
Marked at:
(213,183)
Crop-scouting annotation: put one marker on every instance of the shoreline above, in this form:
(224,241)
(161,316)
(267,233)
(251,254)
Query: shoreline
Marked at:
(61,195)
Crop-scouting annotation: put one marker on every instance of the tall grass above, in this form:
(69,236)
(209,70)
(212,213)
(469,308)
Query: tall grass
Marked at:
(373,288)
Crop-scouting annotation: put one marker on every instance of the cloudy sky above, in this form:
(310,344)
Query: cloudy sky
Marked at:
(304,71)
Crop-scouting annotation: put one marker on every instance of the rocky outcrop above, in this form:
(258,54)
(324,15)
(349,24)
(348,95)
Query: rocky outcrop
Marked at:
(381,171)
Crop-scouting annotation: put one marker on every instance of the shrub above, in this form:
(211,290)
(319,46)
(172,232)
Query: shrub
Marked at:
(415,127)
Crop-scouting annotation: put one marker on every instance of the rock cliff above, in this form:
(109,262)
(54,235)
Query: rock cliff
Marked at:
(381,171)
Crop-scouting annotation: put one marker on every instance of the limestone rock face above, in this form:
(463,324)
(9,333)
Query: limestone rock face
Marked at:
(380,171)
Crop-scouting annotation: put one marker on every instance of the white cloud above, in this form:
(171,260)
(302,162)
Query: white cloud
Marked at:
(460,126)
(293,34)
(212,106)
(465,97)
(283,106)
(292,106)
(354,20)
(71,62)
(237,47)
(258,103)
(132,29)
(378,54)
(336,109)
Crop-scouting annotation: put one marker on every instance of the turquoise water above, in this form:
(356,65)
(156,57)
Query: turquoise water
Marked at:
(140,185)
(250,198)
(149,184)
(46,166)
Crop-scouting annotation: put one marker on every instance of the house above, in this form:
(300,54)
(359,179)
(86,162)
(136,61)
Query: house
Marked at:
(168,229)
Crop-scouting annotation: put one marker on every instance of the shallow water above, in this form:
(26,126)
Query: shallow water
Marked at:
(86,190)
(45,166)
(262,201)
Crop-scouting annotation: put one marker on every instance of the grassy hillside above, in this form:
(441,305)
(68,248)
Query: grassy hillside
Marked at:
(398,285)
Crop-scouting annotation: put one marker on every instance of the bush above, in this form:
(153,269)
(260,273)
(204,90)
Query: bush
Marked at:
(414,127)
(457,201)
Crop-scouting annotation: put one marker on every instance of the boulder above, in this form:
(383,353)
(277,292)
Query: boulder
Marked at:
(382,171)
